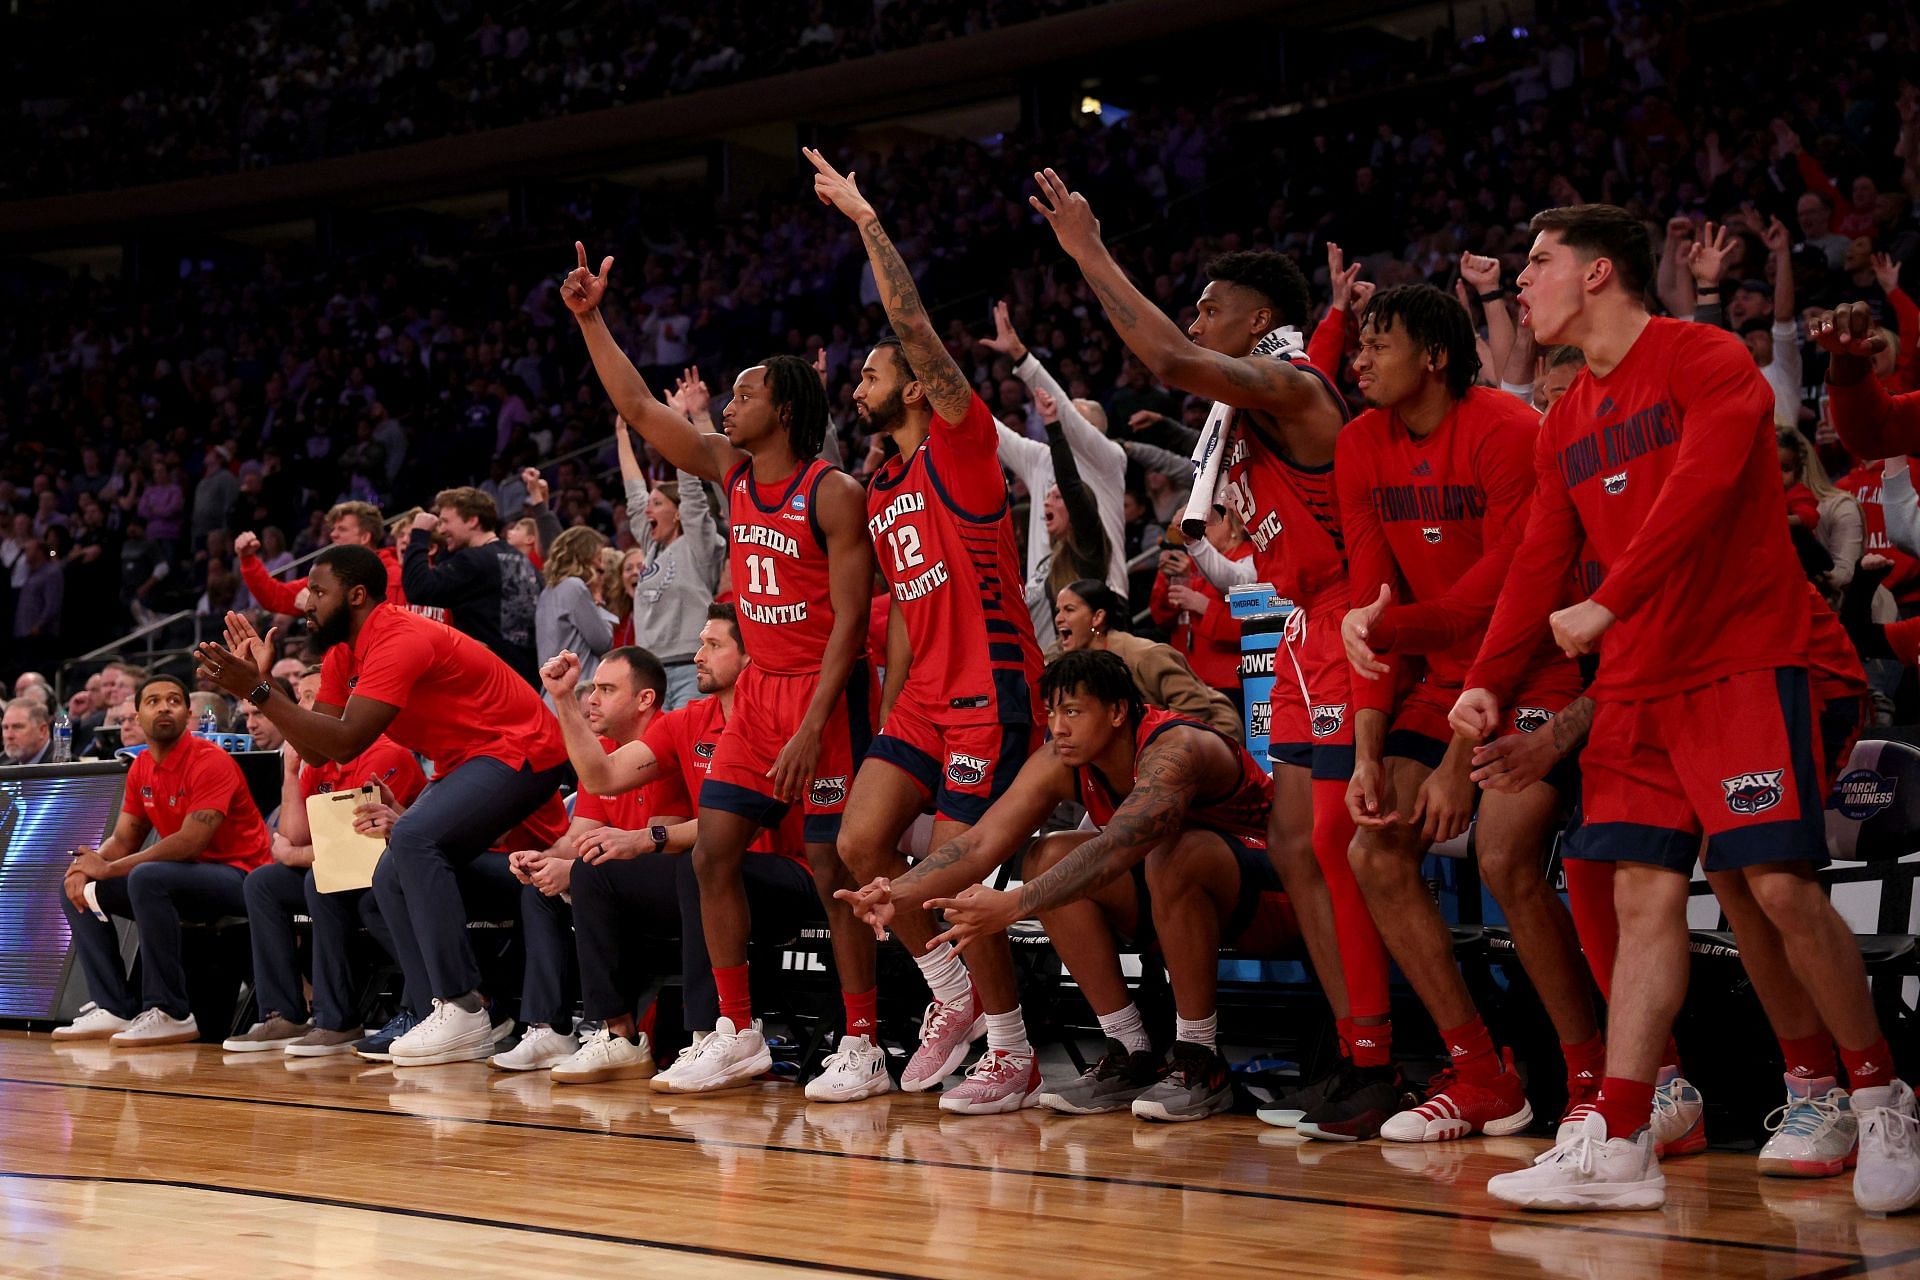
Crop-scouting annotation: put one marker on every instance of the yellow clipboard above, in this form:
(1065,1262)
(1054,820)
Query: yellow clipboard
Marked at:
(342,857)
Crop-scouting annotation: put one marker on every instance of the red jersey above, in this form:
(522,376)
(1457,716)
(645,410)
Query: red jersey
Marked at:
(1833,664)
(385,761)
(1866,482)
(1292,516)
(542,829)
(627,810)
(1668,464)
(778,555)
(457,700)
(1240,812)
(198,775)
(941,529)
(1437,514)
(683,742)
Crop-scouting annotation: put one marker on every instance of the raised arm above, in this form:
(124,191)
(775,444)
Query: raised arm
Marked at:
(948,390)
(677,439)
(601,773)
(633,479)
(1870,422)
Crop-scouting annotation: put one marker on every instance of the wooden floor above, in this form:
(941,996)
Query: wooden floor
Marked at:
(189,1162)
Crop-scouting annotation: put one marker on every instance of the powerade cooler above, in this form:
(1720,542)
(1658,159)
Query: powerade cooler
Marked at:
(1262,614)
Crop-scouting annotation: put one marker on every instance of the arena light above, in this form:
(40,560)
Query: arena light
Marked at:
(1089,106)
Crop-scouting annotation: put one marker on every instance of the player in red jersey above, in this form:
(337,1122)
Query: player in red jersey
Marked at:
(958,717)
(1433,480)
(1179,805)
(1243,352)
(802,571)
(417,681)
(1662,454)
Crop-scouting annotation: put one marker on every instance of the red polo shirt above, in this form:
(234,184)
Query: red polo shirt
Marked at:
(683,742)
(458,702)
(629,810)
(198,775)
(385,761)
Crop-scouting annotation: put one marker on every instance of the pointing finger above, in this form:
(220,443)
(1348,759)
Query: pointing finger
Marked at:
(606,266)
(580,248)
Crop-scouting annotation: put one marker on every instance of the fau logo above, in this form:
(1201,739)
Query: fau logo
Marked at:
(1528,719)
(1750,793)
(966,771)
(1616,483)
(1431,532)
(827,791)
(704,750)
(1327,719)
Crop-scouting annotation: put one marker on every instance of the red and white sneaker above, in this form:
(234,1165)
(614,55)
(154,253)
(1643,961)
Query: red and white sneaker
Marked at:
(946,1033)
(1583,1092)
(1455,1108)
(999,1082)
(1679,1120)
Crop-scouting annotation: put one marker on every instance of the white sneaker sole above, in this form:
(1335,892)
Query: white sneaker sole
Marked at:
(62,1035)
(499,1062)
(1279,1118)
(880,1084)
(600,1075)
(917,1084)
(1620,1196)
(152,1042)
(1880,1208)
(1450,1130)
(950,1104)
(1054,1102)
(298,1050)
(453,1053)
(1788,1167)
(1149,1109)
(741,1074)
(256,1046)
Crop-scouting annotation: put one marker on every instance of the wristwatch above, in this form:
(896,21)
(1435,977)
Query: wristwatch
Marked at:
(659,834)
(259,694)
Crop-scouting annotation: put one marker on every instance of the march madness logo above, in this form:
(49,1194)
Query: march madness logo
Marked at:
(1862,793)
(1616,483)
(965,771)
(1328,719)
(1431,532)
(1527,719)
(1261,721)
(1749,793)
(827,791)
(704,750)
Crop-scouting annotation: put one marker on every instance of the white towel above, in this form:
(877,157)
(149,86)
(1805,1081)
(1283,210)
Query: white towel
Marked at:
(1211,449)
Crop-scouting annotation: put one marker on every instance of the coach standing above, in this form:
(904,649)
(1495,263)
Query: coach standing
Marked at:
(496,750)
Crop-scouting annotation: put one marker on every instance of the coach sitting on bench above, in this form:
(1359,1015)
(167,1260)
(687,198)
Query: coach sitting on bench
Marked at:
(192,793)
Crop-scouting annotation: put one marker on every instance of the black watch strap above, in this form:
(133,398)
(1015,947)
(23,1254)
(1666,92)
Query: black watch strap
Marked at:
(1494,296)
(659,834)
(260,693)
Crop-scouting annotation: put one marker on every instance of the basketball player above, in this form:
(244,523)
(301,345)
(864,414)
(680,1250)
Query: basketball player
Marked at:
(1870,422)
(1199,875)
(962,663)
(1662,454)
(1432,479)
(803,571)
(1243,353)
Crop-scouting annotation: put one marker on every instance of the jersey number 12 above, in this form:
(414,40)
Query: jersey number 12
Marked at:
(905,542)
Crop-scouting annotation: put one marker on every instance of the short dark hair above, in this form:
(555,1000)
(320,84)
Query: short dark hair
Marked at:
(1436,322)
(1563,356)
(140,694)
(1274,276)
(356,566)
(721,611)
(1759,324)
(793,386)
(470,503)
(646,669)
(891,342)
(1098,673)
(1102,598)
(1604,231)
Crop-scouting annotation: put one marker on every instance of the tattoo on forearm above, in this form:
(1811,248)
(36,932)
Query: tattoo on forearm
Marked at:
(946,856)
(1119,309)
(1571,725)
(211,817)
(1146,819)
(932,363)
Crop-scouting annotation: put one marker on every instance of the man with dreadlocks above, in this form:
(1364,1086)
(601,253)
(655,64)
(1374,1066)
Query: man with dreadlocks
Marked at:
(1434,482)
(802,569)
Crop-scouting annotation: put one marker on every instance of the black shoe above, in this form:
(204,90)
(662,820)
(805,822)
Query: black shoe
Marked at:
(1110,1084)
(1196,1084)
(1286,1108)
(1355,1112)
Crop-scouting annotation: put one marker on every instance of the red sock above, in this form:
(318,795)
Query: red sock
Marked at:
(1471,1049)
(1590,899)
(1367,1046)
(1868,1068)
(1363,957)
(736,1003)
(644,1023)
(1627,1105)
(1809,1057)
(862,1011)
(1587,1059)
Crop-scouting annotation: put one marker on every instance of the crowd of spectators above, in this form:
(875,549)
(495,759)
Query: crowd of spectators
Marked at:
(148,422)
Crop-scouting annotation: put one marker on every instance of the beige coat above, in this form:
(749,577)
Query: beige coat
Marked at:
(1165,680)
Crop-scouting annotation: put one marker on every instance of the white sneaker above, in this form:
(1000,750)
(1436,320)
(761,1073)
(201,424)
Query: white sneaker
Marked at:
(1887,1179)
(727,1058)
(94,1024)
(156,1026)
(605,1056)
(1588,1170)
(1814,1131)
(663,1083)
(853,1072)
(540,1048)
(1678,1124)
(448,1034)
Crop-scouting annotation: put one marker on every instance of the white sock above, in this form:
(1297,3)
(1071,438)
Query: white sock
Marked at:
(945,973)
(1127,1027)
(1008,1032)
(1200,1031)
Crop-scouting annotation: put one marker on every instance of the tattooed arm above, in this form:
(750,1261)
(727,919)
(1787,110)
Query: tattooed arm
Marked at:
(948,390)
(971,856)
(184,845)
(1518,760)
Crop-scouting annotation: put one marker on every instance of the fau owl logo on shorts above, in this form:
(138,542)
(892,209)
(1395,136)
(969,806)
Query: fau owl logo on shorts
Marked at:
(826,791)
(966,771)
(1327,719)
(1527,719)
(1616,483)
(1431,532)
(1749,793)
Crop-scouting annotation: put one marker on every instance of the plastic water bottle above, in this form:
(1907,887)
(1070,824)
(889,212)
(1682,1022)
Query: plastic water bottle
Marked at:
(209,727)
(62,738)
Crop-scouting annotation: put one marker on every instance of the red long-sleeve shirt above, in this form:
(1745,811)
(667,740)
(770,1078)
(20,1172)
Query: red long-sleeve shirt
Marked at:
(276,596)
(1668,464)
(1433,516)
(1327,348)
(1873,423)
(1210,640)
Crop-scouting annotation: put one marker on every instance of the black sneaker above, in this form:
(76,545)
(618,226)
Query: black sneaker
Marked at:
(1110,1084)
(1355,1112)
(1196,1084)
(1286,1109)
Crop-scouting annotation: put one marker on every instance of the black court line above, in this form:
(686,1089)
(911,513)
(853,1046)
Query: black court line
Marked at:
(1555,1223)
(1864,1267)
(467,1220)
